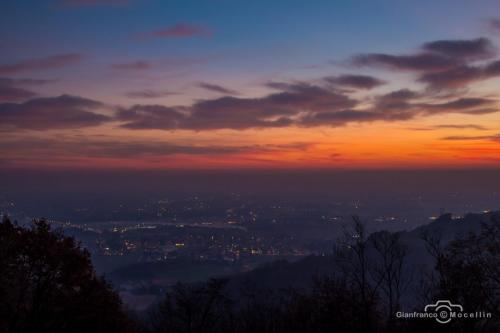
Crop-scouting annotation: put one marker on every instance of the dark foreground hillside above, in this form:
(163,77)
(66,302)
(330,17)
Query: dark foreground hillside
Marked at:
(48,284)
(418,257)
(364,287)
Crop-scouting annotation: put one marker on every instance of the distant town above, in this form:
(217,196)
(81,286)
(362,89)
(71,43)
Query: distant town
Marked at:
(145,248)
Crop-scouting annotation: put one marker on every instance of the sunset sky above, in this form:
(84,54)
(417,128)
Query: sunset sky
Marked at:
(150,84)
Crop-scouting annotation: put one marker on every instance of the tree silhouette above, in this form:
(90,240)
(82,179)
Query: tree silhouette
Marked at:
(470,273)
(467,271)
(201,308)
(390,268)
(357,270)
(362,296)
(48,284)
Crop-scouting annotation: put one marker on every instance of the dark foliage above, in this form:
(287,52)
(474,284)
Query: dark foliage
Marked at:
(364,296)
(48,284)
(468,272)
(195,309)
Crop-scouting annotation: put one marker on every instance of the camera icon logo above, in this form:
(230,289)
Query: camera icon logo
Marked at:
(444,310)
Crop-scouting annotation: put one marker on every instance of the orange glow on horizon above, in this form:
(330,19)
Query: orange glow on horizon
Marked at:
(413,144)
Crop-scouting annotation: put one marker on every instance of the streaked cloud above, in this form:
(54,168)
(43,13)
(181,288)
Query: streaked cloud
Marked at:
(414,62)
(12,94)
(9,92)
(24,81)
(217,88)
(455,77)
(149,117)
(118,148)
(461,126)
(296,104)
(35,64)
(442,64)
(355,81)
(148,93)
(495,137)
(14,90)
(137,65)
(182,30)
(62,112)
(472,49)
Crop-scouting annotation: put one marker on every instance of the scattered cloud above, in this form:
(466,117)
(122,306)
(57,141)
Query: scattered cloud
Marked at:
(138,65)
(119,148)
(461,126)
(10,93)
(397,102)
(13,90)
(278,109)
(455,77)
(24,81)
(462,105)
(355,81)
(217,88)
(435,56)
(473,49)
(495,137)
(182,30)
(461,76)
(274,110)
(340,118)
(442,64)
(62,112)
(147,93)
(414,62)
(34,64)
(295,104)
(150,117)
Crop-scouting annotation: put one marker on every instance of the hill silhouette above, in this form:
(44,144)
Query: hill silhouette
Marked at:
(360,288)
